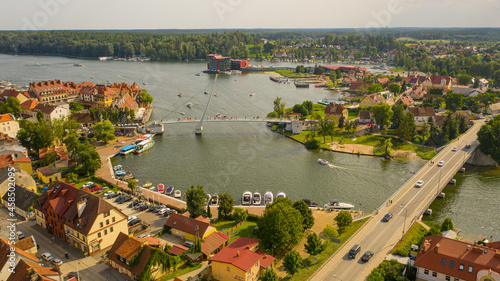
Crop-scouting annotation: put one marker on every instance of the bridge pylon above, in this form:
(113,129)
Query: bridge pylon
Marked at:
(198,130)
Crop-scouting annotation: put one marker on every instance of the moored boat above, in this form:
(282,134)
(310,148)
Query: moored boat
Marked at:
(147,185)
(256,198)
(246,199)
(144,145)
(323,161)
(280,194)
(337,205)
(268,198)
(169,190)
(127,149)
(161,188)
(179,94)
(177,194)
(197,74)
(189,104)
(208,198)
(214,200)
(117,167)
(144,137)
(309,203)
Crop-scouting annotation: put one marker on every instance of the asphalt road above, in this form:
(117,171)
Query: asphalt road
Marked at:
(380,237)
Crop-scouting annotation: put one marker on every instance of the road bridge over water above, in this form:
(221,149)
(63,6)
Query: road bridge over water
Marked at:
(407,204)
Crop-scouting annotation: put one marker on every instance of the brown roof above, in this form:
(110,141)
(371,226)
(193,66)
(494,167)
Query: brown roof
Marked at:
(128,247)
(5,250)
(382,80)
(24,198)
(187,224)
(334,109)
(177,250)
(25,270)
(29,104)
(437,249)
(48,171)
(120,239)
(421,111)
(365,114)
(212,242)
(45,108)
(26,243)
(407,100)
(266,259)
(464,113)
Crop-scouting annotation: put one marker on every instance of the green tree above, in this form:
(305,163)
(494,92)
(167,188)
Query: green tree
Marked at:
(388,146)
(269,275)
(146,98)
(87,158)
(35,135)
(313,245)
(488,137)
(50,157)
(464,79)
(309,106)
(375,88)
(209,211)
(330,231)
(40,116)
(12,106)
(341,121)
(279,107)
(404,87)
(311,142)
(447,224)
(395,88)
(104,131)
(280,226)
(292,262)
(398,114)
(298,108)
(333,78)
(407,129)
(72,177)
(390,270)
(226,203)
(454,101)
(486,99)
(132,184)
(239,215)
(195,201)
(308,218)
(71,141)
(438,102)
(382,113)
(343,219)
(425,132)
(75,106)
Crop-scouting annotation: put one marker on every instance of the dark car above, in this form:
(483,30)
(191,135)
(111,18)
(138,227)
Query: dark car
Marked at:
(367,256)
(143,207)
(134,222)
(467,146)
(151,208)
(354,251)
(119,198)
(126,199)
(387,217)
(133,204)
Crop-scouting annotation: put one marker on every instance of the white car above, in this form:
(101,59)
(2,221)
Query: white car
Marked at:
(47,256)
(454,149)
(419,183)
(109,193)
(20,235)
(440,164)
(131,218)
(163,211)
(57,261)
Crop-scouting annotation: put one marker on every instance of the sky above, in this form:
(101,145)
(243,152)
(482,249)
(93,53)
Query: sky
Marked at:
(245,14)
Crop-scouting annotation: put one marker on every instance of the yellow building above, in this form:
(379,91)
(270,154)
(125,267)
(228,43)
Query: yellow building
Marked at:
(189,228)
(48,174)
(371,99)
(240,260)
(335,112)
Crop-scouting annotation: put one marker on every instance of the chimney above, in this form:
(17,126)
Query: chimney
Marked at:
(238,253)
(81,206)
(437,247)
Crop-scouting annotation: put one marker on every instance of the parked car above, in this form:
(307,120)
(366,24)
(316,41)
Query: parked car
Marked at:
(387,217)
(119,198)
(367,256)
(440,164)
(127,198)
(20,235)
(467,146)
(105,188)
(163,211)
(143,236)
(420,183)
(133,204)
(159,208)
(95,188)
(57,261)
(151,208)
(255,230)
(47,256)
(108,194)
(136,207)
(143,207)
(354,251)
(134,221)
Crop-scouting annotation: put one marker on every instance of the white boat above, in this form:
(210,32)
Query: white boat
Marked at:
(280,194)
(268,198)
(144,83)
(256,198)
(161,188)
(127,149)
(246,199)
(144,145)
(189,104)
(169,190)
(209,197)
(118,167)
(182,113)
(214,200)
(197,74)
(323,162)
(177,194)
(337,205)
(252,94)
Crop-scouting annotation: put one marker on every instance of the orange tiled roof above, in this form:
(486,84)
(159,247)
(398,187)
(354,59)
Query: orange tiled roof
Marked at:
(6,117)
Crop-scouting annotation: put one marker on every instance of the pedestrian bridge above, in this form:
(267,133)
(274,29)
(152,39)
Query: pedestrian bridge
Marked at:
(230,119)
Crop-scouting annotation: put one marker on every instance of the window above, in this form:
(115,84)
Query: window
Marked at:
(107,222)
(101,224)
(113,219)
(434,274)
(461,267)
(106,213)
(443,261)
(471,268)
(111,229)
(456,279)
(228,269)
(105,232)
(98,234)
(452,263)
(448,278)
(426,271)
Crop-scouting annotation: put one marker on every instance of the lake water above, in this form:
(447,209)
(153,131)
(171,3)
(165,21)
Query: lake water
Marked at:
(236,157)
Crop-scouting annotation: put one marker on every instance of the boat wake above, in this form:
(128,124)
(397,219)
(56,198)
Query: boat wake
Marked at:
(338,167)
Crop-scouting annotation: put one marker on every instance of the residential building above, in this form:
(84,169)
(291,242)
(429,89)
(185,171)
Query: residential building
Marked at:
(213,243)
(23,198)
(28,106)
(27,270)
(18,258)
(88,222)
(240,260)
(295,126)
(407,100)
(189,228)
(441,258)
(11,93)
(218,63)
(347,81)
(418,92)
(371,100)
(125,248)
(16,158)
(50,111)
(365,117)
(467,114)
(335,112)
(48,174)
(61,158)
(126,101)
(359,87)
(392,55)
(9,125)
(437,82)
(56,91)
(382,81)
(422,114)
(22,179)
(105,96)
(493,108)
(28,245)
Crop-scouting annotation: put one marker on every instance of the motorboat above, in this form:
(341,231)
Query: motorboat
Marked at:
(169,190)
(189,104)
(147,185)
(246,199)
(182,113)
(197,74)
(214,200)
(323,161)
(337,205)
(117,167)
(268,198)
(208,198)
(179,94)
(256,198)
(177,194)
(77,64)
(252,94)
(121,172)
(206,93)
(144,83)
(280,194)
(215,94)
(161,188)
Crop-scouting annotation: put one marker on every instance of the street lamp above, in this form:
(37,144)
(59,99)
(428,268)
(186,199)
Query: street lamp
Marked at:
(404,225)
(439,181)
(77,272)
(337,277)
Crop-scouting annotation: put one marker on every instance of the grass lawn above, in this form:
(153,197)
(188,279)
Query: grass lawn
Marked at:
(244,230)
(183,268)
(222,224)
(415,235)
(94,179)
(399,69)
(426,153)
(330,248)
(352,115)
